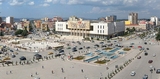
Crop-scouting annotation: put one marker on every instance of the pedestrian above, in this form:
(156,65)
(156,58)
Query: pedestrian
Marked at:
(62,70)
(36,73)
(52,72)
(10,72)
(31,75)
(42,67)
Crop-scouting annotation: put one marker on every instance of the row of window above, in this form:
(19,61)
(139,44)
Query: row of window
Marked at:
(100,31)
(59,24)
(100,27)
(60,28)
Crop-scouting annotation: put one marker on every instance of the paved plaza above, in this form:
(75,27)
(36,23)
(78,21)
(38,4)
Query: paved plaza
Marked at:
(62,67)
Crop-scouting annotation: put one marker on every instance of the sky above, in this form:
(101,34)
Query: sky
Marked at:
(92,9)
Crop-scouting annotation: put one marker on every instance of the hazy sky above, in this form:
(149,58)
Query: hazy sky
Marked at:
(81,8)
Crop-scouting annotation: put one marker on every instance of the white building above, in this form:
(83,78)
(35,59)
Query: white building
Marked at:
(95,29)
(154,20)
(9,20)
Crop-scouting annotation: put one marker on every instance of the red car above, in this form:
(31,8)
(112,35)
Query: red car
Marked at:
(139,46)
(150,61)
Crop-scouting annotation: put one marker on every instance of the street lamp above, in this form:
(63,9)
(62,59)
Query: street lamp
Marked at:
(151,70)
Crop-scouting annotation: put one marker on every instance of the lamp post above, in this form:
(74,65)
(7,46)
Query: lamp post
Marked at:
(151,70)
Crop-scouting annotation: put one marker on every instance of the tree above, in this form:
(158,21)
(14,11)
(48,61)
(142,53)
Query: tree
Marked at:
(128,30)
(30,26)
(25,32)
(19,31)
(48,29)
(1,33)
(158,36)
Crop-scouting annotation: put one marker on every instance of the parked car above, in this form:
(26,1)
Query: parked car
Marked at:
(145,42)
(150,61)
(80,48)
(8,62)
(13,56)
(87,47)
(158,71)
(139,57)
(145,76)
(57,55)
(154,55)
(133,73)
(22,58)
(145,53)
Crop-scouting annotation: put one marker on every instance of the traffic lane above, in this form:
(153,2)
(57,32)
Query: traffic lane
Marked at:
(141,67)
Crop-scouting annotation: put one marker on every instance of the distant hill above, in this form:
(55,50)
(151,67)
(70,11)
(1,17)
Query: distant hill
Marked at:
(18,19)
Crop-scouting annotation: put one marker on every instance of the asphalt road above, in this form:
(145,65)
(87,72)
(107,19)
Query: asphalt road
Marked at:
(141,66)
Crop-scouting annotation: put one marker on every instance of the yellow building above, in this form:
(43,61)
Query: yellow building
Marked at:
(127,22)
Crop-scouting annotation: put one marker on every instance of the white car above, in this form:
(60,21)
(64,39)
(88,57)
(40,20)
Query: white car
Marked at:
(154,55)
(133,73)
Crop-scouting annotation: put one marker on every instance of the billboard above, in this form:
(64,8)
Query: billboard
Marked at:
(79,25)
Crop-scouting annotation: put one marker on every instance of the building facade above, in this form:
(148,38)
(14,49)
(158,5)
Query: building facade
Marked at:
(154,20)
(0,20)
(133,18)
(86,28)
(9,20)
(111,18)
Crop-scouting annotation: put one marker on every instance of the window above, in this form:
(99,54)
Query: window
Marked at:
(103,26)
(98,31)
(98,26)
(103,31)
(91,28)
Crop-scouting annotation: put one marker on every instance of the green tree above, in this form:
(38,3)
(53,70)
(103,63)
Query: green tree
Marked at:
(24,33)
(19,31)
(128,30)
(1,33)
(48,29)
(30,26)
(158,36)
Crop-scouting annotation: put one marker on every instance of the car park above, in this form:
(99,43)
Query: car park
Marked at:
(133,73)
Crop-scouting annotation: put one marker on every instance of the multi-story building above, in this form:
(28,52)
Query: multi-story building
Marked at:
(154,20)
(38,24)
(56,18)
(133,18)
(9,20)
(86,28)
(0,20)
(24,19)
(111,18)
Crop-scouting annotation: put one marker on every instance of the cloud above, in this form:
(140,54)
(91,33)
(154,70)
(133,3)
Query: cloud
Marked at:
(48,1)
(99,10)
(31,3)
(17,2)
(45,5)
(74,2)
